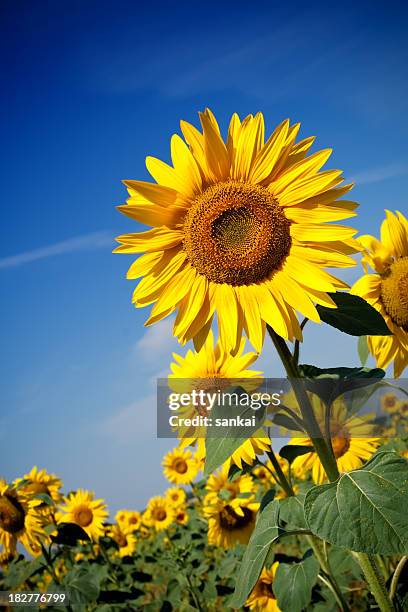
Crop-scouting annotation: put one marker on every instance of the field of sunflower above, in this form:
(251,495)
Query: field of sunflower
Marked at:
(243,232)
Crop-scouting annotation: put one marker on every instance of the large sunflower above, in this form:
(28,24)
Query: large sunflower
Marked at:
(387,289)
(239,230)
(89,513)
(19,522)
(262,598)
(211,369)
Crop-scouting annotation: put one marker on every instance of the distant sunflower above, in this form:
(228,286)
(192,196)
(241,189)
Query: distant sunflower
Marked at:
(19,522)
(181,516)
(129,519)
(242,485)
(241,229)
(124,538)
(230,508)
(387,289)
(180,466)
(230,522)
(262,598)
(212,369)
(38,482)
(352,441)
(89,513)
(159,513)
(389,402)
(176,496)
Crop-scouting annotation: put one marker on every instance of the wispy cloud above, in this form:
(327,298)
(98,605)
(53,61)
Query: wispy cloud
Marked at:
(86,242)
(156,344)
(381,173)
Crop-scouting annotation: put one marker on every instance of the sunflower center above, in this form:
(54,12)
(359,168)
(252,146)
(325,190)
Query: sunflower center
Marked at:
(340,445)
(394,292)
(121,540)
(11,514)
(236,233)
(230,520)
(265,589)
(83,516)
(159,514)
(180,466)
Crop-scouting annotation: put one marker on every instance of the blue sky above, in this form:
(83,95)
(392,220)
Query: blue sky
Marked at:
(89,89)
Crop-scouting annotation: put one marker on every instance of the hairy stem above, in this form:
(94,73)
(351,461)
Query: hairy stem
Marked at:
(396,576)
(375,581)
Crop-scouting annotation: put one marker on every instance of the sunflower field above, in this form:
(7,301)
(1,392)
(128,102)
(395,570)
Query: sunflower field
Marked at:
(244,249)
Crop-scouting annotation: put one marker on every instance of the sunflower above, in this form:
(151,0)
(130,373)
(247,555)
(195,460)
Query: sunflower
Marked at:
(159,513)
(387,289)
(351,439)
(211,369)
(230,508)
(19,522)
(129,519)
(262,598)
(38,482)
(240,231)
(218,482)
(124,538)
(176,497)
(180,467)
(230,522)
(389,403)
(181,517)
(89,513)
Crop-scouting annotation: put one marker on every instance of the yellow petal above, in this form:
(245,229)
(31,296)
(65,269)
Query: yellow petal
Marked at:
(185,166)
(156,239)
(158,194)
(269,154)
(215,150)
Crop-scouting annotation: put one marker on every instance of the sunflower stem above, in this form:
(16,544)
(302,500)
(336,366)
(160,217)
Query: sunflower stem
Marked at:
(312,426)
(284,483)
(375,581)
(297,343)
(396,576)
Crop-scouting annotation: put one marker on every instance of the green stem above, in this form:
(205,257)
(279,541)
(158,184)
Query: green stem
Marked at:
(313,430)
(396,576)
(297,343)
(331,582)
(375,581)
(279,473)
(367,563)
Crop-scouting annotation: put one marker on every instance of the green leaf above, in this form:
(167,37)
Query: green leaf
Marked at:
(293,584)
(69,534)
(365,510)
(362,348)
(285,421)
(292,512)
(330,383)
(266,532)
(220,447)
(353,316)
(291,451)
(46,499)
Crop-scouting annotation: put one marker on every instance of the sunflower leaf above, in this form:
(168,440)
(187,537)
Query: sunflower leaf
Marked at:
(353,316)
(293,583)
(266,532)
(365,510)
(291,451)
(362,348)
